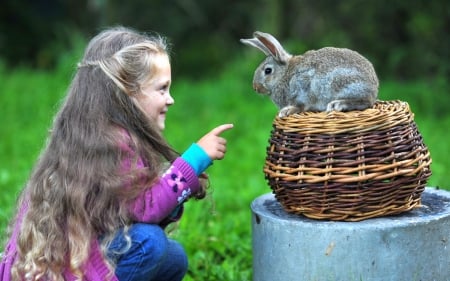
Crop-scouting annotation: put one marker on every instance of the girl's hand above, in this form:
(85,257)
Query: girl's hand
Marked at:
(213,144)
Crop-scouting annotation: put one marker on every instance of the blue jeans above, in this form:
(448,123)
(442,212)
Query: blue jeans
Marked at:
(151,257)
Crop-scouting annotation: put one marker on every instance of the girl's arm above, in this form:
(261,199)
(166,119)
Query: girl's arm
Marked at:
(164,199)
(159,201)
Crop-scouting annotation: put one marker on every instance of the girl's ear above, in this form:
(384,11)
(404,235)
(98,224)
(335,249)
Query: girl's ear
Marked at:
(274,47)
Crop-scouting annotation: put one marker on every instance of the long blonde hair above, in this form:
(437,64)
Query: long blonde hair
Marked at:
(75,192)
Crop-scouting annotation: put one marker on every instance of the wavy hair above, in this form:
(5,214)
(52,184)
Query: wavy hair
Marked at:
(75,192)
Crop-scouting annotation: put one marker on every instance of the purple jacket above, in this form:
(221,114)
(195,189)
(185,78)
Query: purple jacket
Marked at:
(154,205)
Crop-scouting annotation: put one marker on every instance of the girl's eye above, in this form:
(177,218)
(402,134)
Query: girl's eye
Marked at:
(165,88)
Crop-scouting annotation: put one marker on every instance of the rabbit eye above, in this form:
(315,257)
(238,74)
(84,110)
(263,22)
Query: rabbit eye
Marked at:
(268,70)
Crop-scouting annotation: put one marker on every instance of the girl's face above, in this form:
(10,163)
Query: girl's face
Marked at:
(155,97)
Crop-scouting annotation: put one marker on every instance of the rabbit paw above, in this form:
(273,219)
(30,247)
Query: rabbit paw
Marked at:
(288,110)
(337,105)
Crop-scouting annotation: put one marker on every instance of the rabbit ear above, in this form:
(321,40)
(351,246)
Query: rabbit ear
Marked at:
(257,44)
(274,47)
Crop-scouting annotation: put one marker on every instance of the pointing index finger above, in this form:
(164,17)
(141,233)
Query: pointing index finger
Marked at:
(220,129)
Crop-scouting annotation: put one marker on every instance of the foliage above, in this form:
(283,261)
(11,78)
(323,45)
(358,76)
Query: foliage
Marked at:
(404,39)
(36,33)
(216,232)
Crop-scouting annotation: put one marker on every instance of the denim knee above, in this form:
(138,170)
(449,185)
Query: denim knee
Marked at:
(145,255)
(175,265)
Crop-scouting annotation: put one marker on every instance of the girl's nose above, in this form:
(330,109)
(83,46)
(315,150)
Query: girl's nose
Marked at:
(170,100)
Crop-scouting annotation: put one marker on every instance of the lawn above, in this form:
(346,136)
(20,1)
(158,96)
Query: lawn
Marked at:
(216,231)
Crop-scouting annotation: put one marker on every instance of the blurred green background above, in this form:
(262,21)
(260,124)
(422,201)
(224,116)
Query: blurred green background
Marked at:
(404,39)
(41,41)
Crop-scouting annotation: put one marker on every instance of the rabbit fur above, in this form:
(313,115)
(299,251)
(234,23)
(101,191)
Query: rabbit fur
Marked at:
(319,80)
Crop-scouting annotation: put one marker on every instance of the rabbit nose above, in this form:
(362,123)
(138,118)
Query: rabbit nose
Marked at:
(258,87)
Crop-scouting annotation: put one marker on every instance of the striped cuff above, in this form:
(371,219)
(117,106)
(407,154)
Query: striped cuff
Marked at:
(197,158)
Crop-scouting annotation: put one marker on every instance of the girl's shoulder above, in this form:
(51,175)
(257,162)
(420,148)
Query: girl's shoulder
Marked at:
(124,139)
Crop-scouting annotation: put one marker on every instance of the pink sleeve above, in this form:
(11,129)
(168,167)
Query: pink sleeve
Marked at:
(158,201)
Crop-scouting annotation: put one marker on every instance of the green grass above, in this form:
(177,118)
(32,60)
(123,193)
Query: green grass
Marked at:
(215,232)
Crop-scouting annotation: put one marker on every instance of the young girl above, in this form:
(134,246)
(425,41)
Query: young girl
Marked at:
(107,183)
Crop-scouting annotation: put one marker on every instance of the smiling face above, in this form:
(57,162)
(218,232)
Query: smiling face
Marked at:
(154,98)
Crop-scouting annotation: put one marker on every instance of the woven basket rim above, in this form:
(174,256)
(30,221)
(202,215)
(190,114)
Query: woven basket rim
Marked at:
(383,114)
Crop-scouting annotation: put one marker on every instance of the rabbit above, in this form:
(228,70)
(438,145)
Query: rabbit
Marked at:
(328,79)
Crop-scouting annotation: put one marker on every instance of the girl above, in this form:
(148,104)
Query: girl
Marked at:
(107,183)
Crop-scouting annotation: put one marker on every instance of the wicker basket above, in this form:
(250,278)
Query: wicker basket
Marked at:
(348,166)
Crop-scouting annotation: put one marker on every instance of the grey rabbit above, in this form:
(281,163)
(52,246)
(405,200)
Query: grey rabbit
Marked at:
(319,80)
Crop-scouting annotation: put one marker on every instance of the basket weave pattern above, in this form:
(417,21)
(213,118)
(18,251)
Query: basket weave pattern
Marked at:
(348,166)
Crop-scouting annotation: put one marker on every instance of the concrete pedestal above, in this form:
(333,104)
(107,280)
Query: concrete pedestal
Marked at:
(413,246)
